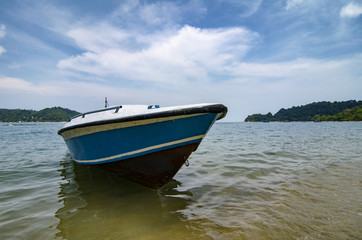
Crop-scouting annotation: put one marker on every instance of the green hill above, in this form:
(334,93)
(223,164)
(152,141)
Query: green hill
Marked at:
(351,114)
(317,111)
(54,114)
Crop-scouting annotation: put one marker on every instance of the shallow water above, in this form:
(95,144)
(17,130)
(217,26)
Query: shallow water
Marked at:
(245,181)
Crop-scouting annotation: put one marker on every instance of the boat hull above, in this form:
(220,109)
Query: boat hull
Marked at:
(148,148)
(155,169)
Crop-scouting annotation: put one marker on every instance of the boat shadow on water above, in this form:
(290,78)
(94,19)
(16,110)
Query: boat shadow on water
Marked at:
(100,204)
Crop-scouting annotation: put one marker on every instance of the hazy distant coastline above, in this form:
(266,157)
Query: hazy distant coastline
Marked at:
(317,111)
(54,114)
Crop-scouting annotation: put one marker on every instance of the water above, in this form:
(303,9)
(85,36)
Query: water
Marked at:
(245,181)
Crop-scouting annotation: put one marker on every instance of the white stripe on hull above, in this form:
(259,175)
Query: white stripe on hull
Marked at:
(142,150)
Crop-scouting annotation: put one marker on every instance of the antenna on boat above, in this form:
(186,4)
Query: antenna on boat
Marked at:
(105,103)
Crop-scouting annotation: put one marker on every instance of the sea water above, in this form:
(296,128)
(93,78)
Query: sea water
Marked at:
(245,181)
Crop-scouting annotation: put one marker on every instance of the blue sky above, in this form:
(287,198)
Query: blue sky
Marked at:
(253,56)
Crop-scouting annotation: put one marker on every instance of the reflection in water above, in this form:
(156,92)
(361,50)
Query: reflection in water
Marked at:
(99,205)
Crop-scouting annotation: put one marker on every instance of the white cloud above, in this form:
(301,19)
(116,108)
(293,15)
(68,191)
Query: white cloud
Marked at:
(292,3)
(159,13)
(17,84)
(2,50)
(2,30)
(163,14)
(2,34)
(98,38)
(351,10)
(246,7)
(187,54)
(63,88)
(284,70)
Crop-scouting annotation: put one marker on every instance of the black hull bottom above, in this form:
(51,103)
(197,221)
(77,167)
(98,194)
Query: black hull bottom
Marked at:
(155,169)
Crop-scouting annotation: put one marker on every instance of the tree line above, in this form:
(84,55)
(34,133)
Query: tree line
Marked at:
(316,111)
(54,114)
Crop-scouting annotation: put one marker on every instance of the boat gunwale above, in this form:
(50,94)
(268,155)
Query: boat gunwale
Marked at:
(214,108)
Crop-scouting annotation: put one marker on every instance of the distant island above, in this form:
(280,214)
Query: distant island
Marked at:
(54,114)
(317,111)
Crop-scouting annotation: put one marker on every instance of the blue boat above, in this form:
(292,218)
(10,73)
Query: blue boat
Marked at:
(145,143)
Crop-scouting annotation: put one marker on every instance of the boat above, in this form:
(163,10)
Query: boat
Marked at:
(144,143)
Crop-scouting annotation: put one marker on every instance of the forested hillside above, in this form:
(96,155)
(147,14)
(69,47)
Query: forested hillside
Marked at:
(54,114)
(317,111)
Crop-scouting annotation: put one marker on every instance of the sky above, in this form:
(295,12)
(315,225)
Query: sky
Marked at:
(252,56)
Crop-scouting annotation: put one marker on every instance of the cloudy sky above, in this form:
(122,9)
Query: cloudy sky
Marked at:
(253,56)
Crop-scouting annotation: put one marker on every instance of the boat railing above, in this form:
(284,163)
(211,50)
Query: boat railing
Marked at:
(107,109)
(97,111)
(153,106)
